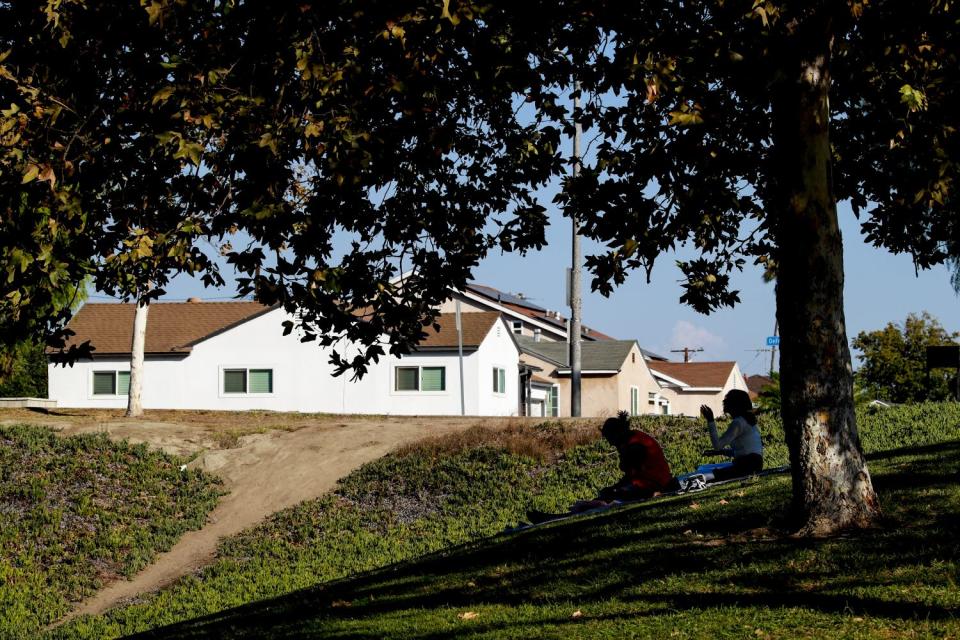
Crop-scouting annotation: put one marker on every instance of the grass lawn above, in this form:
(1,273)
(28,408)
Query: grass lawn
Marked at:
(77,511)
(708,566)
(685,562)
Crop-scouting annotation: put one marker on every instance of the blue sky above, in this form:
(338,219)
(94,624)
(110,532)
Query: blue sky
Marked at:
(880,288)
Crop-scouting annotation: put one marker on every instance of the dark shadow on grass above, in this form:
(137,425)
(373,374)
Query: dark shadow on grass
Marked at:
(949,447)
(591,560)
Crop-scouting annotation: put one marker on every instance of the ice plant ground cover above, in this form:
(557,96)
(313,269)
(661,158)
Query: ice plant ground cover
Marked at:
(709,564)
(78,511)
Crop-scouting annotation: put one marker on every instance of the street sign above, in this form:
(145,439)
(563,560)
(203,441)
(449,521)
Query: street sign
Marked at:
(773,341)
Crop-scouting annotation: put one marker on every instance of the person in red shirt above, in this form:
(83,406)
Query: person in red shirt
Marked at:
(646,472)
(645,469)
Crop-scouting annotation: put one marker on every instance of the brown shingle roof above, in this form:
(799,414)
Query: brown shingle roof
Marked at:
(695,374)
(476,326)
(172,327)
(756,384)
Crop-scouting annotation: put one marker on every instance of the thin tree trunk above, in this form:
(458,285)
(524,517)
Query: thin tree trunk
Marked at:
(832,488)
(134,405)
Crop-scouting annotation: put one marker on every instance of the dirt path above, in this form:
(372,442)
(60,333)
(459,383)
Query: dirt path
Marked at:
(264,473)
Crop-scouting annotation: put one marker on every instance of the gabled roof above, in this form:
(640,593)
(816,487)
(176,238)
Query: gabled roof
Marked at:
(756,384)
(172,327)
(603,355)
(503,297)
(697,375)
(476,325)
(524,307)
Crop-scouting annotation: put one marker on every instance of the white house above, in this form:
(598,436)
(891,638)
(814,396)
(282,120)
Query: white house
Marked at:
(234,356)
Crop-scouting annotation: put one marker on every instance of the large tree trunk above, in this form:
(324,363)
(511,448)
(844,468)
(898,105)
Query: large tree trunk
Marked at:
(134,406)
(832,489)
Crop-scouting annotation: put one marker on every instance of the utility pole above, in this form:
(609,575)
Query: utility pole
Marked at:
(463,404)
(686,351)
(573,334)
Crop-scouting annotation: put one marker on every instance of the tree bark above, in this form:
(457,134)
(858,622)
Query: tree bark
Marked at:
(832,489)
(134,405)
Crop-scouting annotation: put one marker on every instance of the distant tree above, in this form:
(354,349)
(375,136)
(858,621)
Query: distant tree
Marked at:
(893,360)
(768,399)
(23,371)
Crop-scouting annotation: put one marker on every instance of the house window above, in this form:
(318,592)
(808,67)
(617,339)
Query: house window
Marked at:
(248,380)
(420,379)
(518,326)
(634,401)
(407,379)
(111,383)
(553,402)
(633,357)
(651,398)
(433,378)
(499,380)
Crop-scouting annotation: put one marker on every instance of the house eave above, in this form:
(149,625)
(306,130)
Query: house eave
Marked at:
(588,372)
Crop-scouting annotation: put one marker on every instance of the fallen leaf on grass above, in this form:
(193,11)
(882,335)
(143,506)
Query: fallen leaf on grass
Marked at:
(722,501)
(336,604)
(467,615)
(740,494)
(694,505)
(576,614)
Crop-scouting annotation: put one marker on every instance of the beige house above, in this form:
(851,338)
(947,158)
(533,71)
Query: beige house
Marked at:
(615,377)
(616,374)
(688,385)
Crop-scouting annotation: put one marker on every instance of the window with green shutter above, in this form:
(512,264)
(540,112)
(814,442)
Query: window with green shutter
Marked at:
(104,383)
(123,383)
(553,402)
(234,380)
(433,379)
(260,380)
(499,380)
(407,378)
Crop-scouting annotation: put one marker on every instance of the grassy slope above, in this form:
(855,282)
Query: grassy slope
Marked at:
(710,565)
(448,492)
(77,511)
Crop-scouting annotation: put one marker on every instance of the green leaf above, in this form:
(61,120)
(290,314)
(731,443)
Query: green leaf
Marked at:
(685,118)
(914,99)
(162,95)
(30,174)
(190,151)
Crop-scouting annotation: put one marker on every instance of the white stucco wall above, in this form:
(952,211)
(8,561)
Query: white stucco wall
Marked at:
(302,377)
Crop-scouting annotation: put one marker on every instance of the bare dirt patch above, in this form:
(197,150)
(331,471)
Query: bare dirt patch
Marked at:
(268,461)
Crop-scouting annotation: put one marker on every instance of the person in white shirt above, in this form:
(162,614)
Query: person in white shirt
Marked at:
(741,441)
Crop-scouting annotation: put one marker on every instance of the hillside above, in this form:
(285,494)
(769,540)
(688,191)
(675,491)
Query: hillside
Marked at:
(706,566)
(456,490)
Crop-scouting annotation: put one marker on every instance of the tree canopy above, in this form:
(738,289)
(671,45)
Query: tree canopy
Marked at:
(416,135)
(893,360)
